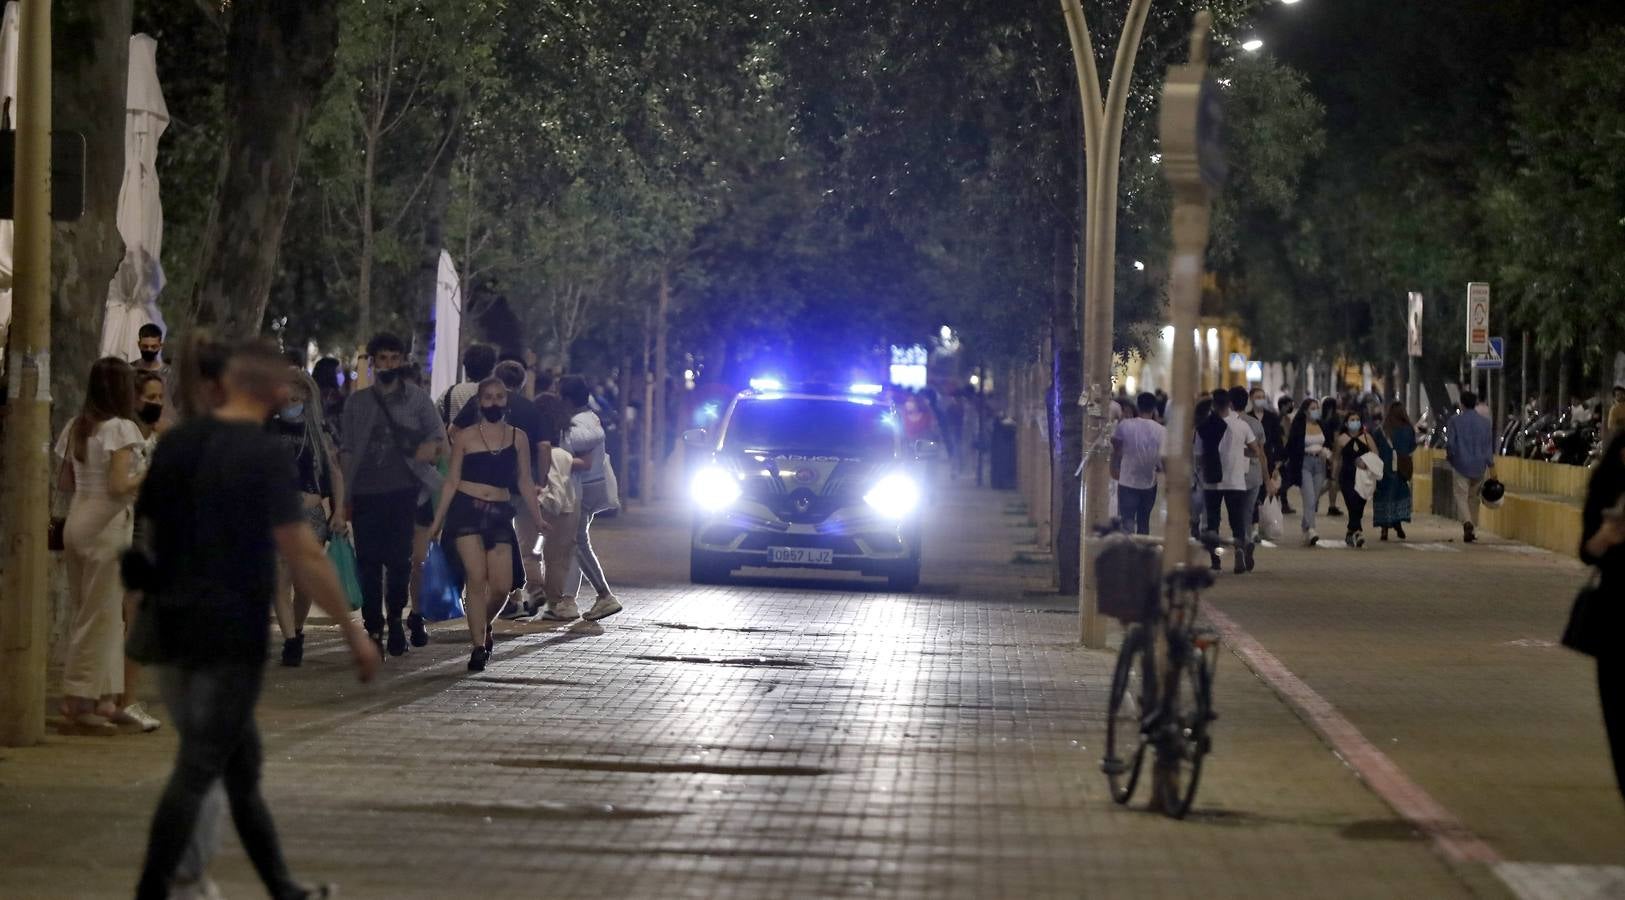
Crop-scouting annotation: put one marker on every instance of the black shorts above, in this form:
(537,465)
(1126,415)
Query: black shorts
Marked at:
(423,517)
(470,516)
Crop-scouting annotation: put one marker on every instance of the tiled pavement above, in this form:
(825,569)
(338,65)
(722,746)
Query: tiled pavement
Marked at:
(784,739)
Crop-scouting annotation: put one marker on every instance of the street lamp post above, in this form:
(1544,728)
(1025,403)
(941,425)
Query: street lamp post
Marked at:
(24,560)
(1103,145)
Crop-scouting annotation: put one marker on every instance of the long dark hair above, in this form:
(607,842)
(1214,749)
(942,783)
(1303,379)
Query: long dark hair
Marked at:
(1397,416)
(109,395)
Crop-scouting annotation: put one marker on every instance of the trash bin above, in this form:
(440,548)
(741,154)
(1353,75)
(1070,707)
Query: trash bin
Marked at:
(1003,463)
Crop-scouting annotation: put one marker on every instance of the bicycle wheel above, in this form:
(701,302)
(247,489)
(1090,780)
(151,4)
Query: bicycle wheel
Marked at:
(1183,740)
(1125,738)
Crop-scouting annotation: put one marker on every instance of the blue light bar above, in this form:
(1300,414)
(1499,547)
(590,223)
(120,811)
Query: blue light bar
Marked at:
(866,390)
(766,384)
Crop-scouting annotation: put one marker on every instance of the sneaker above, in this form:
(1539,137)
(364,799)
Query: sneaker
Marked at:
(135,718)
(1217,564)
(1349,539)
(560,611)
(202,889)
(605,606)
(419,634)
(518,609)
(1359,540)
(293,650)
(1311,538)
(397,639)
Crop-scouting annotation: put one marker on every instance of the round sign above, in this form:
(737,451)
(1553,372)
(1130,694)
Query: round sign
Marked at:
(806,476)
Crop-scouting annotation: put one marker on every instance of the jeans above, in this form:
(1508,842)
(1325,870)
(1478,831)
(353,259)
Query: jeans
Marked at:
(1311,483)
(1134,506)
(1356,505)
(586,561)
(212,708)
(1235,506)
(383,553)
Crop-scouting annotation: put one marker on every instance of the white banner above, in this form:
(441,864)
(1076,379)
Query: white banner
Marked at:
(1413,326)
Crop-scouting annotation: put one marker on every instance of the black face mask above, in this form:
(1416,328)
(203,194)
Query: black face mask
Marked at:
(151,412)
(493,413)
(149,355)
(388,376)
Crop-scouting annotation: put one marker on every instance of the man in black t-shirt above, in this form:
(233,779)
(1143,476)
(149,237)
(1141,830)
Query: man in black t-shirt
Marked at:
(524,416)
(219,503)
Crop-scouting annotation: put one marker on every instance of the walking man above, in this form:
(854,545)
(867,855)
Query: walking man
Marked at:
(1225,441)
(1136,457)
(391,438)
(478,361)
(1472,456)
(219,503)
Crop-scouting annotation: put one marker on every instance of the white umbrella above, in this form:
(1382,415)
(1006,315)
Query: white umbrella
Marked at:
(132,297)
(8,97)
(448,315)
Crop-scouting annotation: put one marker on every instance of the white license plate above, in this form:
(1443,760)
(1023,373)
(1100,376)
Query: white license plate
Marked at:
(801,556)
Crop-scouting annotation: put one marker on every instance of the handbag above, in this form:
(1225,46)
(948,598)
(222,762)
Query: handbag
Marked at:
(602,495)
(1586,632)
(342,554)
(1404,465)
(426,474)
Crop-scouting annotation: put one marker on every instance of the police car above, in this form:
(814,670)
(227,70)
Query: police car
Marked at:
(806,478)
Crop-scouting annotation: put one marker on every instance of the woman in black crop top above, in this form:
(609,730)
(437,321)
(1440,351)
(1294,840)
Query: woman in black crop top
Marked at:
(321,484)
(476,512)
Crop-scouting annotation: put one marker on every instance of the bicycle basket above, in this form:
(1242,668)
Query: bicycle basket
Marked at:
(1126,578)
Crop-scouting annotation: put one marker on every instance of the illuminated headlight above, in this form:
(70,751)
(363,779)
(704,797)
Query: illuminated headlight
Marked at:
(714,489)
(894,497)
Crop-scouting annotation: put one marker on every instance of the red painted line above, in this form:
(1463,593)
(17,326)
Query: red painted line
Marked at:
(1450,837)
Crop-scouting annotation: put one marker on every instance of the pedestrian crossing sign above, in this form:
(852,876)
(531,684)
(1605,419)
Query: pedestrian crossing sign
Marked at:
(1495,358)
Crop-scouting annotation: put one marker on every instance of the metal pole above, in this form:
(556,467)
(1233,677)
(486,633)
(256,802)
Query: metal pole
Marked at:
(1103,143)
(1523,365)
(25,578)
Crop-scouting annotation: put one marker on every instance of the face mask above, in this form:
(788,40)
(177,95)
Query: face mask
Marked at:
(1312,413)
(493,413)
(151,412)
(388,376)
(1261,405)
(294,412)
(1354,426)
(149,355)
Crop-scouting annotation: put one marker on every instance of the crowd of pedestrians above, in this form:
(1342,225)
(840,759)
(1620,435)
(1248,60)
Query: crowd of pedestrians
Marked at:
(196,500)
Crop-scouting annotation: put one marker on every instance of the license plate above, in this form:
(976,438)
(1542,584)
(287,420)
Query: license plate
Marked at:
(801,556)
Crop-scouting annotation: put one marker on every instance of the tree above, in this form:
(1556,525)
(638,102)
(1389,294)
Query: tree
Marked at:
(278,57)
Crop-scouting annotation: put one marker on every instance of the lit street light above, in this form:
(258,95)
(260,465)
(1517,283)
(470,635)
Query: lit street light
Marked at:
(1252,45)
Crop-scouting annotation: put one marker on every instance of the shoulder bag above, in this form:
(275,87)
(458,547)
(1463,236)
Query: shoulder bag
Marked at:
(1586,632)
(425,473)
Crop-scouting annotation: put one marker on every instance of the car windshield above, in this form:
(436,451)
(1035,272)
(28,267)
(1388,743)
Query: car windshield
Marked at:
(820,427)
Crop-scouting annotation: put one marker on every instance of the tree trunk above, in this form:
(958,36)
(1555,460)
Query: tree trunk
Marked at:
(279,57)
(1065,415)
(365,217)
(662,399)
(436,201)
(91,61)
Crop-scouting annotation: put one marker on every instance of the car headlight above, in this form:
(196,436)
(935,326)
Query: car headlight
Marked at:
(894,497)
(714,489)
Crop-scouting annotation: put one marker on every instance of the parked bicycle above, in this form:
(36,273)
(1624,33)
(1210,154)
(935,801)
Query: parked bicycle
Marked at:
(1162,689)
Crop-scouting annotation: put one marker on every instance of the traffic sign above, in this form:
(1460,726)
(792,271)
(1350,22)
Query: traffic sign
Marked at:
(1496,358)
(1238,362)
(1478,317)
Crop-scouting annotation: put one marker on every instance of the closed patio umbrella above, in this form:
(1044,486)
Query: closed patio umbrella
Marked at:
(132,297)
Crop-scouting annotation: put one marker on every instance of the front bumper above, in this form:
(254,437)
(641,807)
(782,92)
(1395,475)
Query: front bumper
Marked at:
(859,540)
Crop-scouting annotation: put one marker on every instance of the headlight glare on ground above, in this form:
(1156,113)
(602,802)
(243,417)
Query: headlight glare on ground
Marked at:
(894,497)
(713,489)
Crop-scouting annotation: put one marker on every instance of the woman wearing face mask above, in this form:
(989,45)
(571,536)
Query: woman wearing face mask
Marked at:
(1331,420)
(321,485)
(1309,453)
(1396,441)
(488,462)
(1354,444)
(149,418)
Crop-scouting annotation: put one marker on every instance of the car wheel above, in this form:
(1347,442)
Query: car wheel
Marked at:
(706,568)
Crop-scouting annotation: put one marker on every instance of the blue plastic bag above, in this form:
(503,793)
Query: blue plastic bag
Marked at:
(439,594)
(342,554)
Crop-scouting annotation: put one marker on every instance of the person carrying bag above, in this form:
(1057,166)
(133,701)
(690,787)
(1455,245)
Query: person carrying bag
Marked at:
(1595,620)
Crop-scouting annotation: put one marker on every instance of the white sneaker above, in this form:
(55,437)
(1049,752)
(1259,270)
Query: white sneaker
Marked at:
(202,889)
(603,608)
(136,718)
(563,611)
(1311,538)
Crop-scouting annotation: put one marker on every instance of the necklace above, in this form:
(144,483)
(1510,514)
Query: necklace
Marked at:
(487,444)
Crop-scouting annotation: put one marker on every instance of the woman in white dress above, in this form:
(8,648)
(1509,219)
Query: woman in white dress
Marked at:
(99,454)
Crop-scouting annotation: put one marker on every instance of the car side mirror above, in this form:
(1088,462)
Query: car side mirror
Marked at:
(696,438)
(927,450)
